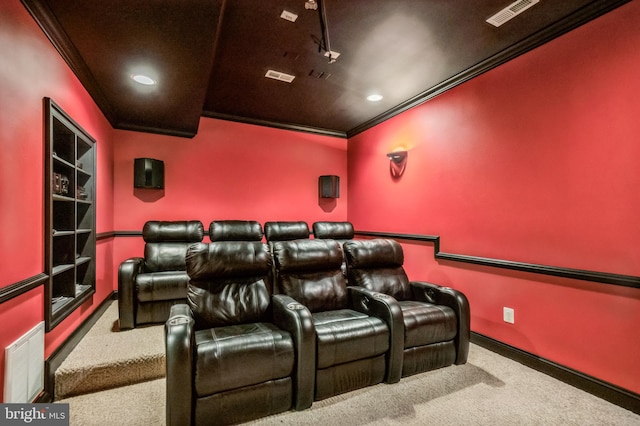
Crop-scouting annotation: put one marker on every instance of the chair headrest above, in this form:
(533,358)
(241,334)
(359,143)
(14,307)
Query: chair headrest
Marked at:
(307,255)
(227,259)
(187,231)
(333,230)
(286,231)
(376,253)
(235,230)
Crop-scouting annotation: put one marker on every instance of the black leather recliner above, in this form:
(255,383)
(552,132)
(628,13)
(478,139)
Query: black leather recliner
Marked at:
(235,230)
(354,347)
(230,357)
(148,286)
(436,319)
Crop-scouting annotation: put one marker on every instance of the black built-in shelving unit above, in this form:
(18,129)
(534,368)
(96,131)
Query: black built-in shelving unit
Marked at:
(70,223)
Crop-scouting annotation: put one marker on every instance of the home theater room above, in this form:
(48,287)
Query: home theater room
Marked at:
(305,212)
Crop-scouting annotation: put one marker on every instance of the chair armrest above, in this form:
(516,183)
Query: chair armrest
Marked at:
(435,294)
(295,318)
(179,348)
(127,273)
(387,309)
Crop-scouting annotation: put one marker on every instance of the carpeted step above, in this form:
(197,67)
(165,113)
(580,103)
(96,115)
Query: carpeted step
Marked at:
(107,358)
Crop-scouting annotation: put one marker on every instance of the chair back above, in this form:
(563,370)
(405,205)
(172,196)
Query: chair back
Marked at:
(228,282)
(235,230)
(340,231)
(377,265)
(309,271)
(166,243)
(285,231)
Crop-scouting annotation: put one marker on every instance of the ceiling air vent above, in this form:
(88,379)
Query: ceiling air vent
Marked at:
(511,11)
(276,75)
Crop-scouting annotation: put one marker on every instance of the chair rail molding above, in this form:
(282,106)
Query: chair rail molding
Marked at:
(578,274)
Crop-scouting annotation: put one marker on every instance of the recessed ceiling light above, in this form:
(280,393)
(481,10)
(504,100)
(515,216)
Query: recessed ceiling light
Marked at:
(143,79)
(374,98)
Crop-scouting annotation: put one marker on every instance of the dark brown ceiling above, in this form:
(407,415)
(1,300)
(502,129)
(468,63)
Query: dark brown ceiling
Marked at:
(210,56)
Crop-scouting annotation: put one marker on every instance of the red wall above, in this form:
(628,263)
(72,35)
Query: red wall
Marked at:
(534,161)
(227,171)
(31,69)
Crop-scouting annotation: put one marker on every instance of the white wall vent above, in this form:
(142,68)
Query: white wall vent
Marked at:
(276,75)
(511,11)
(24,367)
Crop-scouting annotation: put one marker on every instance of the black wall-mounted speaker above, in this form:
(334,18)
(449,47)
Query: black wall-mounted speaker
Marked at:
(148,173)
(329,186)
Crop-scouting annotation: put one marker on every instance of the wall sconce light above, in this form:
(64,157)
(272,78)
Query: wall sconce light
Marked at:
(397,163)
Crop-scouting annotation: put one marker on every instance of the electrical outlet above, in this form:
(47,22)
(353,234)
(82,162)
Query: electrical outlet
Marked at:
(508,314)
(332,55)
(289,16)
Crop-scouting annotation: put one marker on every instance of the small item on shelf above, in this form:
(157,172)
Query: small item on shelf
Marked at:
(60,184)
(80,288)
(79,164)
(81,193)
(64,185)
(57,177)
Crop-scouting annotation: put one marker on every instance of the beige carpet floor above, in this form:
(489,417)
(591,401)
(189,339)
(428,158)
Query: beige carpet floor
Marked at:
(107,358)
(488,390)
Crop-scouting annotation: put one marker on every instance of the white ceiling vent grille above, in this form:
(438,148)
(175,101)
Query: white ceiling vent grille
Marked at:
(276,75)
(511,11)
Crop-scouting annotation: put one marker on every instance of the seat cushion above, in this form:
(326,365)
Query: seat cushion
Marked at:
(345,335)
(168,285)
(425,323)
(241,355)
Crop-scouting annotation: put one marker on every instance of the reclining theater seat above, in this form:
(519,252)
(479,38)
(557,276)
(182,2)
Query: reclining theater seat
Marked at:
(235,230)
(147,287)
(228,357)
(353,339)
(436,319)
